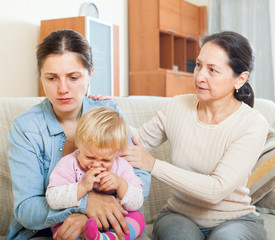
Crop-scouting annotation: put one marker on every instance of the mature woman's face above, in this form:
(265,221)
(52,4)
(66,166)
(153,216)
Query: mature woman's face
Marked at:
(213,78)
(65,81)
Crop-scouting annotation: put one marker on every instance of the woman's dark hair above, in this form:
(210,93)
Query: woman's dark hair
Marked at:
(241,59)
(62,41)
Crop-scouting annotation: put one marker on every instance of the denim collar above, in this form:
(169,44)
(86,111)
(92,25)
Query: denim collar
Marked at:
(50,117)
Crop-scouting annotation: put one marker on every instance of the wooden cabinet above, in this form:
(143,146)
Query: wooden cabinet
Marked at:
(178,83)
(161,83)
(163,43)
(103,38)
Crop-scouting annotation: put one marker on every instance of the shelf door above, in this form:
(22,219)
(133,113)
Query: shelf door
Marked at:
(169,15)
(189,19)
(177,84)
(100,36)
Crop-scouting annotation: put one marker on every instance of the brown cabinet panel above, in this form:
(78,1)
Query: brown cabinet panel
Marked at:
(177,84)
(74,23)
(179,50)
(143,35)
(161,83)
(189,19)
(148,83)
(79,24)
(169,15)
(163,41)
(166,50)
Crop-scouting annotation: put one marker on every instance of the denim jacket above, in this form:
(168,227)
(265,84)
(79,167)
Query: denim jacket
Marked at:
(36,142)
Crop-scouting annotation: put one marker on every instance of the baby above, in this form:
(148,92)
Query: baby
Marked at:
(95,166)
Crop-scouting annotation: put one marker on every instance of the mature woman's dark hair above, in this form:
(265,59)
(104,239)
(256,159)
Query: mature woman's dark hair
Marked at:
(241,59)
(62,41)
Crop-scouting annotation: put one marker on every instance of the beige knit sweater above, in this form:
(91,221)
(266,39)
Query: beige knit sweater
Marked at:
(210,163)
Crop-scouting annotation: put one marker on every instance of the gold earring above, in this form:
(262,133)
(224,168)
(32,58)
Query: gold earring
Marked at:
(237,90)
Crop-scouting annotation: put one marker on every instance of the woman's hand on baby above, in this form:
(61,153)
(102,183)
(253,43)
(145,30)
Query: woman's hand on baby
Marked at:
(106,210)
(102,97)
(138,156)
(72,227)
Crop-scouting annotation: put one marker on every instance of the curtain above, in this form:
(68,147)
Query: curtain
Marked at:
(251,18)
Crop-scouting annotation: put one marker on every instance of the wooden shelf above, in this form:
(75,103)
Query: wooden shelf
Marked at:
(165,50)
(163,37)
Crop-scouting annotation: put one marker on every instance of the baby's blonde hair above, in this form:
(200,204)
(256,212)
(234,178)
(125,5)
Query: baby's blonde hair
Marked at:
(103,127)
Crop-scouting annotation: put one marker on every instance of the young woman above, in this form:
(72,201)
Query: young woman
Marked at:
(42,135)
(216,138)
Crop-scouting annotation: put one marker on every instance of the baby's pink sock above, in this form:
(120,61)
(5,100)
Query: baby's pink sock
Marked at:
(135,221)
(90,230)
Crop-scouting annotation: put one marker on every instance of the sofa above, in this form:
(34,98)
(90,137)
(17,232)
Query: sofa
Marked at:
(138,110)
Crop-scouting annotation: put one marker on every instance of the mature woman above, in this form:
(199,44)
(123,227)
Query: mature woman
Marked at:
(42,135)
(216,137)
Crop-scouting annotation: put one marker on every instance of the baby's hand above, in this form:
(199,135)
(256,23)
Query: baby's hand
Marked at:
(91,177)
(109,181)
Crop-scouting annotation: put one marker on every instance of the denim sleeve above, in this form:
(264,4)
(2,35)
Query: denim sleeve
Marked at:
(145,177)
(28,180)
(57,216)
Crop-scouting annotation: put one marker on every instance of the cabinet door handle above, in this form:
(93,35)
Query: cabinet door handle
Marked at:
(190,37)
(177,75)
(172,31)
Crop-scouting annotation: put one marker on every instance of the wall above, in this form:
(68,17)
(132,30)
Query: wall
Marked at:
(20,27)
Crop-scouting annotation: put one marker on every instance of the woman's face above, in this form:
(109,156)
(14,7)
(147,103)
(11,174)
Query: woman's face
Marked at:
(65,81)
(213,78)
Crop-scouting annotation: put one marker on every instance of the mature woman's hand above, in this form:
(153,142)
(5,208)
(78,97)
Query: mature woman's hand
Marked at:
(106,210)
(72,227)
(100,97)
(138,156)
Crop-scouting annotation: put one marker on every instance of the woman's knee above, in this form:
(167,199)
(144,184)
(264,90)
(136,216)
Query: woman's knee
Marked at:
(247,227)
(174,226)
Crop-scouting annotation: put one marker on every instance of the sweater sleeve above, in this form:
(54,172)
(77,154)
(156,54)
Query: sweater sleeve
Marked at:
(231,170)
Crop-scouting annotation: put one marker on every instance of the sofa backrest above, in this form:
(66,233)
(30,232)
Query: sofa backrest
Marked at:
(9,109)
(267,109)
(138,110)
